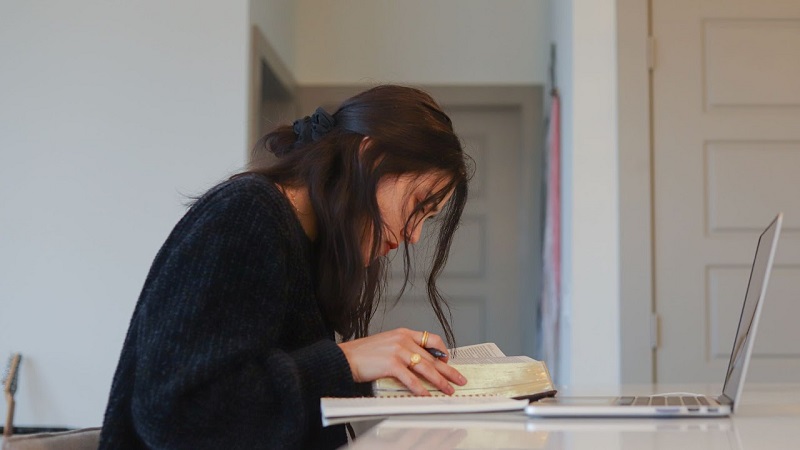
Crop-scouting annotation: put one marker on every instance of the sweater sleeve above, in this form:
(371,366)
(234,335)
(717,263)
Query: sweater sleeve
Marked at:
(209,368)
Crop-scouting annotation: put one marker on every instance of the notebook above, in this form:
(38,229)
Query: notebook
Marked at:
(335,409)
(688,405)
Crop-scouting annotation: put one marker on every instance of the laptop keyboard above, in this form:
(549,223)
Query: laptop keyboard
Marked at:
(666,401)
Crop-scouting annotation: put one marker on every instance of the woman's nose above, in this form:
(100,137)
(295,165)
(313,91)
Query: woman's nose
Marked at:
(415,234)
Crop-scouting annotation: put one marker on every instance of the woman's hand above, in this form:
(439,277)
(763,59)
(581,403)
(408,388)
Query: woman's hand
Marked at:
(389,354)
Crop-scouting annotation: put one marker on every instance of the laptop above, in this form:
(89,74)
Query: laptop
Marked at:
(687,405)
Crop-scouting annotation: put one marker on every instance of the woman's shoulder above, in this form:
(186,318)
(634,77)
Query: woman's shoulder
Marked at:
(250,196)
(246,184)
(248,188)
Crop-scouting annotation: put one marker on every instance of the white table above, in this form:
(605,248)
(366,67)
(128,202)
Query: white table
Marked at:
(768,418)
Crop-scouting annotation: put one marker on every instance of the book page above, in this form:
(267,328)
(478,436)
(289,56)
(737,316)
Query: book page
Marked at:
(492,360)
(487,350)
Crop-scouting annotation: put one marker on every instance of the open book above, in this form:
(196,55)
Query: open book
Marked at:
(488,372)
(495,382)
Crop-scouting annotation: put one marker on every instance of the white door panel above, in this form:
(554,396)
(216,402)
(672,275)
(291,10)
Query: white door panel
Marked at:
(726,159)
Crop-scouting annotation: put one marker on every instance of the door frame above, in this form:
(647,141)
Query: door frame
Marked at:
(529,100)
(639,329)
(271,88)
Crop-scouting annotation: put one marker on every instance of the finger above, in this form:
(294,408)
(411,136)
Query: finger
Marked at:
(404,364)
(419,337)
(435,341)
(428,370)
(431,341)
(411,381)
(450,373)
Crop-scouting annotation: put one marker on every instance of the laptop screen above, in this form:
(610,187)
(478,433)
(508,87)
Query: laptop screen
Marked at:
(757,286)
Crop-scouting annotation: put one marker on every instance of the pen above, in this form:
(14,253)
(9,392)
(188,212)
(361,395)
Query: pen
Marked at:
(436,352)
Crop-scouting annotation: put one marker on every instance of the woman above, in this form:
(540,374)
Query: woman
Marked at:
(232,342)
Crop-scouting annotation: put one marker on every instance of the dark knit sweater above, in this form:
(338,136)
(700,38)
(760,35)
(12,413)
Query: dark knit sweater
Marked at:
(227,347)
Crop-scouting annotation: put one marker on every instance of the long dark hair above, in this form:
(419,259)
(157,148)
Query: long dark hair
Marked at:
(409,134)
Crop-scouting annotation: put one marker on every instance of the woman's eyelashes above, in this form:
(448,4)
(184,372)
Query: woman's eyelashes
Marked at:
(422,212)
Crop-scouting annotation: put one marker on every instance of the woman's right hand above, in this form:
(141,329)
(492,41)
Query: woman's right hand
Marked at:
(389,354)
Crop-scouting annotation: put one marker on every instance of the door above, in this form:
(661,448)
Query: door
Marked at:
(726,159)
(491,277)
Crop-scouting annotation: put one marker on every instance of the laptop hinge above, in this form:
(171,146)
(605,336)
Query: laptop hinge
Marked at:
(725,400)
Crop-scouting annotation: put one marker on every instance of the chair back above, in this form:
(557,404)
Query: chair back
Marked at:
(83,439)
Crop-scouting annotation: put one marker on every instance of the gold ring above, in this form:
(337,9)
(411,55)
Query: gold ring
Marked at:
(415,359)
(424,340)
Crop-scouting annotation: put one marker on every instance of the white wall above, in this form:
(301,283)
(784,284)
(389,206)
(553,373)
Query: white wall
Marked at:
(276,20)
(585,35)
(421,41)
(109,113)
